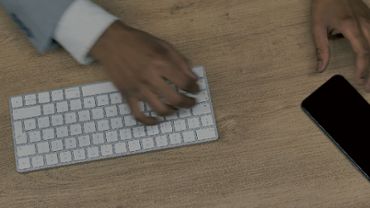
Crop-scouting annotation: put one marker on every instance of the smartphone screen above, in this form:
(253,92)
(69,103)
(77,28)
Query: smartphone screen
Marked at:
(344,115)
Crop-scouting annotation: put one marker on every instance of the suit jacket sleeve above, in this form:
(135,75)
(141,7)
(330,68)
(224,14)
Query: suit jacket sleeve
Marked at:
(37,18)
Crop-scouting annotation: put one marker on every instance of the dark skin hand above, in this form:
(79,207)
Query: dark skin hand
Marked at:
(349,18)
(142,66)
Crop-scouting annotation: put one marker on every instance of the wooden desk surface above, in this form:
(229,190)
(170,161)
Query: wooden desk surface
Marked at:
(260,62)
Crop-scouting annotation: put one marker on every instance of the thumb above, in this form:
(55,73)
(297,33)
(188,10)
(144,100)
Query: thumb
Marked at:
(321,40)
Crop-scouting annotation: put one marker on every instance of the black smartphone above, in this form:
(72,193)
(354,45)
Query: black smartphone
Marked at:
(344,115)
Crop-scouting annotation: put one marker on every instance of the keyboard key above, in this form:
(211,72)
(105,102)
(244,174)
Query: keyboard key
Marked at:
(139,132)
(17,102)
(111,136)
(179,125)
(102,100)
(124,109)
(89,127)
(208,133)
(161,141)
(75,129)
(171,117)
(65,156)
(62,131)
(48,134)
(188,136)
(129,121)
(57,120)
(207,120)
(27,112)
(199,71)
(115,98)
(125,134)
(43,122)
(152,130)
(202,96)
(193,123)
(44,97)
(48,109)
(106,149)
(70,118)
(57,95)
(26,150)
(111,111)
(29,124)
(89,102)
(202,84)
(30,99)
(43,147)
(116,123)
(175,138)
(166,127)
(79,154)
(56,145)
(92,152)
(34,136)
(84,141)
(98,138)
(75,104)
(183,113)
(62,107)
(148,143)
(37,161)
(97,113)
(142,106)
(51,159)
(18,128)
(100,88)
(73,92)
(21,138)
(70,143)
(24,163)
(84,116)
(103,125)
(134,145)
(201,109)
(120,148)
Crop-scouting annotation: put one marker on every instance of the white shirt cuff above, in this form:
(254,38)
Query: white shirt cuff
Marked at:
(80,27)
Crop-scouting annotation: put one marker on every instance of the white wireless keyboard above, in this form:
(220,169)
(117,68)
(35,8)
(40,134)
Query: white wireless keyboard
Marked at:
(93,122)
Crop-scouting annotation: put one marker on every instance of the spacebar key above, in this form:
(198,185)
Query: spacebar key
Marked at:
(100,88)
(29,112)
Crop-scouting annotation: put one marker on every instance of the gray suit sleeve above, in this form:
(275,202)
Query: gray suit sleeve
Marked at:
(37,18)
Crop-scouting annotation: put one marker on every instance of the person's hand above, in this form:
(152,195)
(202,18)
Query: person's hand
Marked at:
(142,66)
(349,18)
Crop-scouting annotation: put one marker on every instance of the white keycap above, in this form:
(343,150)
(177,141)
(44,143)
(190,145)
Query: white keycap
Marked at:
(202,84)
(27,112)
(29,124)
(111,111)
(202,96)
(48,109)
(84,141)
(72,93)
(134,145)
(179,125)
(75,129)
(75,104)
(79,154)
(207,120)
(43,122)
(43,147)
(37,161)
(111,136)
(44,97)
(84,116)
(115,98)
(161,141)
(199,71)
(92,152)
(51,159)
(175,138)
(171,117)
(21,138)
(89,127)
(103,125)
(202,108)
(116,123)
(97,113)
(57,95)
(70,143)
(98,138)
(139,131)
(152,130)
(188,136)
(62,106)
(34,136)
(65,156)
(89,102)
(62,131)
(56,145)
(142,106)
(207,133)
(24,163)
(183,113)
(147,143)
(100,88)
(193,123)
(57,120)
(166,127)
(26,150)
(120,148)
(125,134)
(48,134)
(124,109)
(102,100)
(30,99)
(106,149)
(17,102)
(18,128)
(129,121)
(70,118)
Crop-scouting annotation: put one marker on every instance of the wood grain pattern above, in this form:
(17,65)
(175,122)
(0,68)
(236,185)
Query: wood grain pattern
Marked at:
(260,62)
